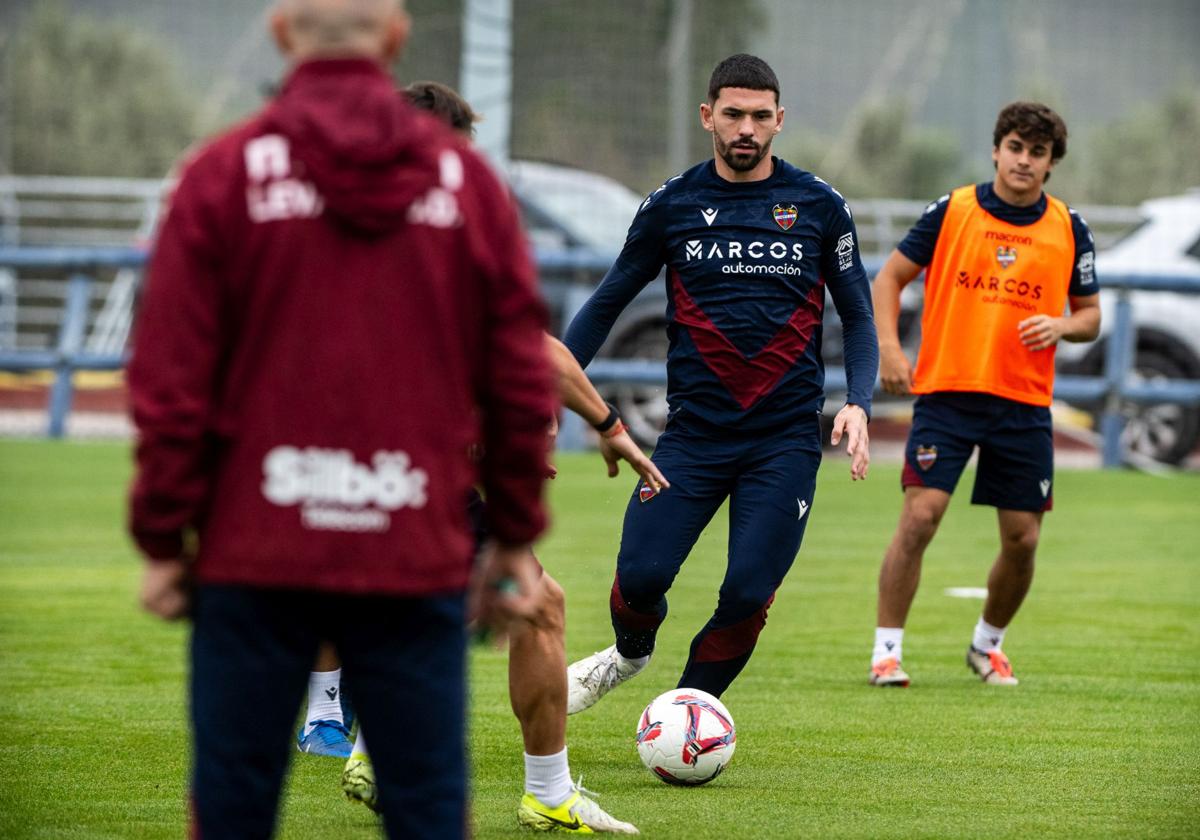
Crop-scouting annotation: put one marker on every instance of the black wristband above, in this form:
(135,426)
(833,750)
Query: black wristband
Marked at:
(609,421)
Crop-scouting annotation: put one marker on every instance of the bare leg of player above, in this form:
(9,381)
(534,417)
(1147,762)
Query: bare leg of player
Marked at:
(899,577)
(537,669)
(1008,584)
(901,570)
(537,687)
(1012,573)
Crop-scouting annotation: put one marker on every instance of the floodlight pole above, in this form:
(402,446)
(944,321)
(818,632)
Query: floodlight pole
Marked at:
(486,73)
(679,79)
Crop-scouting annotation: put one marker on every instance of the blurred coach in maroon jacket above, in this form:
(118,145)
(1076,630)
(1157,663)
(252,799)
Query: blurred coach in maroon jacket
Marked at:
(339,305)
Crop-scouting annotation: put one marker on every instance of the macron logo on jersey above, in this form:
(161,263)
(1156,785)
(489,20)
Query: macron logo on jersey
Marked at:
(709,215)
(337,493)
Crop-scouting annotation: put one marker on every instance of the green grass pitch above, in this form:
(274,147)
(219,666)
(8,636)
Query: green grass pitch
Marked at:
(1100,739)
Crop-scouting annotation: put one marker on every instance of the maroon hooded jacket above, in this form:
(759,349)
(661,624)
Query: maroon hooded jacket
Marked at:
(339,305)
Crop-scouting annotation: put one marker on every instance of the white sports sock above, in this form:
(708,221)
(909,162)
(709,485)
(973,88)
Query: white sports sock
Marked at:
(987,637)
(324,688)
(889,644)
(626,664)
(548,777)
(360,745)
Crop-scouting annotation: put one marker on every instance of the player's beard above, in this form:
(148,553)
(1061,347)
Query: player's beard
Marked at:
(740,163)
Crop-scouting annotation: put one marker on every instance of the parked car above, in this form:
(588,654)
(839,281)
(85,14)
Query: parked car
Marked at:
(1166,242)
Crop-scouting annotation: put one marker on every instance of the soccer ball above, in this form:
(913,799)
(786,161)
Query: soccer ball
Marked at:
(686,737)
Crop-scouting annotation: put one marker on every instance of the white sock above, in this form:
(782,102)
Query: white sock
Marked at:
(360,745)
(626,664)
(548,777)
(987,637)
(889,644)
(324,703)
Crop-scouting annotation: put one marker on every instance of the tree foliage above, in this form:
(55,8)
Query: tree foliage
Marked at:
(590,80)
(1154,152)
(884,155)
(87,97)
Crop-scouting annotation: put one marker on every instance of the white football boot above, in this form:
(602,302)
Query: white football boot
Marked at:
(592,677)
(991,666)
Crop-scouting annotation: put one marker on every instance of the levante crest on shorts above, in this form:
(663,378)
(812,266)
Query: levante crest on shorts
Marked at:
(785,217)
(646,493)
(1006,255)
(926,455)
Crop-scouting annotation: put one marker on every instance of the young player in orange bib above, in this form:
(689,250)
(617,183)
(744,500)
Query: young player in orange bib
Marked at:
(1002,262)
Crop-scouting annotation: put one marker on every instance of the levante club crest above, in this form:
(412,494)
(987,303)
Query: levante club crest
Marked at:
(1006,255)
(785,217)
(926,455)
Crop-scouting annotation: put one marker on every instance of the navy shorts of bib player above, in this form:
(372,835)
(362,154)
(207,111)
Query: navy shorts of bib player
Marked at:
(751,245)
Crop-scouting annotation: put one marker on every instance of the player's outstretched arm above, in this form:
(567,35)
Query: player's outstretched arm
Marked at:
(617,445)
(851,422)
(578,394)
(895,370)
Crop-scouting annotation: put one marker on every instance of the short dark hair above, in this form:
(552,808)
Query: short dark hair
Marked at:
(1034,123)
(445,103)
(742,71)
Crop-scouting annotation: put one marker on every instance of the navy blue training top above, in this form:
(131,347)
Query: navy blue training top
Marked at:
(922,238)
(747,268)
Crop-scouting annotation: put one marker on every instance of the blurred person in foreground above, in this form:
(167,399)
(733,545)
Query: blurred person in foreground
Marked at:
(1003,261)
(751,244)
(339,305)
(537,644)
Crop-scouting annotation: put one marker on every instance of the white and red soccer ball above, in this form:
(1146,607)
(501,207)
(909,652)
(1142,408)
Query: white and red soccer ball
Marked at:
(686,737)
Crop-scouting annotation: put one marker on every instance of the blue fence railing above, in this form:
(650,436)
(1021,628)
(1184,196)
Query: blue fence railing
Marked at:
(1112,388)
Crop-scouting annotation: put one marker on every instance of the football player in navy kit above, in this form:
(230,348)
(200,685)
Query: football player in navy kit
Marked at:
(751,244)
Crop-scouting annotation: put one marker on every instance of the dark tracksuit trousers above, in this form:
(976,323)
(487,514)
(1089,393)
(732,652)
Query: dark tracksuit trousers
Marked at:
(769,479)
(252,650)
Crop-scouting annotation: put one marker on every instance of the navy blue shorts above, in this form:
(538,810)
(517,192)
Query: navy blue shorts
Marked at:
(1016,449)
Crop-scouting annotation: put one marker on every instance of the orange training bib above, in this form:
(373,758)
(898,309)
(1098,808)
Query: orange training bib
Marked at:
(986,277)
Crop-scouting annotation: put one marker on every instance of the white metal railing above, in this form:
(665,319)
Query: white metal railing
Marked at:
(51,210)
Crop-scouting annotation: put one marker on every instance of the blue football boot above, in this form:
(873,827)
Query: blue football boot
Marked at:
(326,737)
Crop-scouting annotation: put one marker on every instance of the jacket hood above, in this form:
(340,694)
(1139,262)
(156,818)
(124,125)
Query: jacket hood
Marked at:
(369,153)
